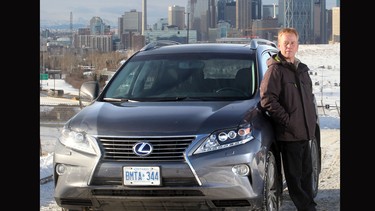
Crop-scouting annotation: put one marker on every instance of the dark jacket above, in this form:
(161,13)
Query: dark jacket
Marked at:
(286,94)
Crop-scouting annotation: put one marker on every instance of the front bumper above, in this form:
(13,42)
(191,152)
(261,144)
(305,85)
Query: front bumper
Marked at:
(203,182)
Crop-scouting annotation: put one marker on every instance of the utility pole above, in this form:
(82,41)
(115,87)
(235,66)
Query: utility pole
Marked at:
(321,88)
(187,30)
(71,30)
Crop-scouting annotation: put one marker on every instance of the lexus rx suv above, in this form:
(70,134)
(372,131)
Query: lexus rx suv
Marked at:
(176,128)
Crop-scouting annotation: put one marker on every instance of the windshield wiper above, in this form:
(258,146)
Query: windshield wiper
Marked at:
(110,99)
(180,99)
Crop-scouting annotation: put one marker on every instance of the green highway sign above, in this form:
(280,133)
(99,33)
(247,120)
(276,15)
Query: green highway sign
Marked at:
(43,76)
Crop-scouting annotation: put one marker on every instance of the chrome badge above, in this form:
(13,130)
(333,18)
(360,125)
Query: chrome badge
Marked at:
(142,148)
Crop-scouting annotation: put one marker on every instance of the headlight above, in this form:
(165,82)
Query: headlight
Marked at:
(77,140)
(226,138)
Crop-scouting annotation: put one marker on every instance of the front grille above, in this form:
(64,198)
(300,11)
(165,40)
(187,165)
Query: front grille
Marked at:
(162,204)
(79,202)
(147,193)
(231,203)
(164,148)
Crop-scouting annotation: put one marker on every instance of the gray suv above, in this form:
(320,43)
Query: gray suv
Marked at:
(176,128)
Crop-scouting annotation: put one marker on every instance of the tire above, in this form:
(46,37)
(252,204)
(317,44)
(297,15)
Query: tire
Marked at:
(272,186)
(315,158)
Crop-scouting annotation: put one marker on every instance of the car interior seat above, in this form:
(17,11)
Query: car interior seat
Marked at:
(243,80)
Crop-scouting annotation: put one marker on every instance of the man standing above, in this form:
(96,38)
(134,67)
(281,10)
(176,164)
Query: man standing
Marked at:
(286,94)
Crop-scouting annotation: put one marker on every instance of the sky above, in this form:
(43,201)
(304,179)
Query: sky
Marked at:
(110,10)
(323,61)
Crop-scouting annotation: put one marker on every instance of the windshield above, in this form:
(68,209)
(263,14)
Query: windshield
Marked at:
(203,76)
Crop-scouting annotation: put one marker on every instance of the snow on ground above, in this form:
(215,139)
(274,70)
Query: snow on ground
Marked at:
(59,84)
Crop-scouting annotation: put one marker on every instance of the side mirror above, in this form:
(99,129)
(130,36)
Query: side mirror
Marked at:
(88,92)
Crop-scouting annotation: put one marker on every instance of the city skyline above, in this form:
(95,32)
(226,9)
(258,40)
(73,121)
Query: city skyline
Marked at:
(58,12)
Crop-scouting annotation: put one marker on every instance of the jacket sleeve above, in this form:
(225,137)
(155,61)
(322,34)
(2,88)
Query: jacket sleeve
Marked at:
(270,89)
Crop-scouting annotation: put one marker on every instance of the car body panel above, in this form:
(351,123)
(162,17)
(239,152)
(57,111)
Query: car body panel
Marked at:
(183,118)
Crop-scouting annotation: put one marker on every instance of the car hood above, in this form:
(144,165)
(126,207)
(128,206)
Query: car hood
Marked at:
(160,118)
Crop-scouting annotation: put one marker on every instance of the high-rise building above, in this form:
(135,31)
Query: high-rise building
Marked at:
(101,43)
(319,22)
(307,16)
(220,9)
(128,25)
(335,24)
(131,21)
(226,11)
(98,27)
(244,16)
(270,11)
(176,16)
(256,9)
(202,17)
(212,13)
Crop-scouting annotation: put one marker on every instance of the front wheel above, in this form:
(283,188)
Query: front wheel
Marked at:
(272,186)
(315,158)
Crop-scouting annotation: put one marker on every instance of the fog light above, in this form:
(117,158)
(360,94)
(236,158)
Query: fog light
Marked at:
(60,169)
(241,170)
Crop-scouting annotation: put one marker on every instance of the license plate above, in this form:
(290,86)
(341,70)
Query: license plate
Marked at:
(141,175)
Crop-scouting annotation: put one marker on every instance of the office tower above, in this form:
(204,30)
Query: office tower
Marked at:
(256,9)
(244,17)
(336,24)
(176,16)
(319,22)
(202,17)
(227,12)
(220,9)
(131,21)
(128,25)
(96,26)
(307,16)
(270,11)
(329,25)
(212,13)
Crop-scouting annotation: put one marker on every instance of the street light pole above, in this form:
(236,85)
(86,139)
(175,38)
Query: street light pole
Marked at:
(188,23)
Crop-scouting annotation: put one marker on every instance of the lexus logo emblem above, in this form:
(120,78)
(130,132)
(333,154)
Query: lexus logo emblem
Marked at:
(142,148)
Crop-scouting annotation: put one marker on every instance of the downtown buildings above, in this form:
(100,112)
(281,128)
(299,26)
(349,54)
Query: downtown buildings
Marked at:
(211,21)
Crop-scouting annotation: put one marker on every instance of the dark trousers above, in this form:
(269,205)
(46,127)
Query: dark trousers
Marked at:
(297,163)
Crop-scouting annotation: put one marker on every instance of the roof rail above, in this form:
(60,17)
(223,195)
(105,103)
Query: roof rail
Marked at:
(159,43)
(256,42)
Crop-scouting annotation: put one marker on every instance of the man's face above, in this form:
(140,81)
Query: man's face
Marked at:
(288,45)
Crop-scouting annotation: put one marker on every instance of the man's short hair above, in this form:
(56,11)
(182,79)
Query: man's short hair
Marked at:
(287,31)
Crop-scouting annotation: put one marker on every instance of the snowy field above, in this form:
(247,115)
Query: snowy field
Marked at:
(324,63)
